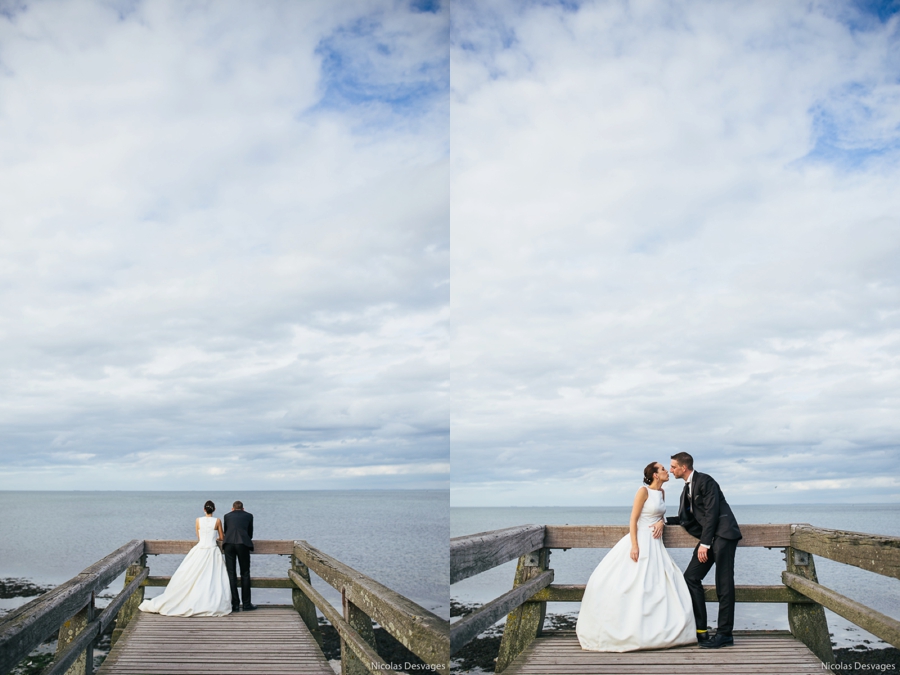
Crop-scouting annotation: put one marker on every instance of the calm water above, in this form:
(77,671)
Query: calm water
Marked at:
(752,565)
(400,538)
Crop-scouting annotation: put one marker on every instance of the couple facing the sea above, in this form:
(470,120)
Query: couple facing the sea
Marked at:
(205,583)
(637,597)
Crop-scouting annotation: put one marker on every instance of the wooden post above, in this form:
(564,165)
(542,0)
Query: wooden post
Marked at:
(525,622)
(84,665)
(362,624)
(304,606)
(131,605)
(807,620)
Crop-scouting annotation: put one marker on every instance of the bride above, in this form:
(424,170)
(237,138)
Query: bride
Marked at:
(637,597)
(199,586)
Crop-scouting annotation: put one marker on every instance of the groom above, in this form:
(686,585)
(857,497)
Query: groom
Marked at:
(705,514)
(238,543)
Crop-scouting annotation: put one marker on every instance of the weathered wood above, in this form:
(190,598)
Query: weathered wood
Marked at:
(466,629)
(74,651)
(526,621)
(754,652)
(674,536)
(349,637)
(574,593)
(304,606)
(807,622)
(267,641)
(74,659)
(873,552)
(180,546)
(139,569)
(880,625)
(476,553)
(24,629)
(425,634)
(255,582)
(362,624)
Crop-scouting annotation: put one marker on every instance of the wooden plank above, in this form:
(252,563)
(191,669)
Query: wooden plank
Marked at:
(880,625)
(674,536)
(232,644)
(744,593)
(425,634)
(255,582)
(181,546)
(22,630)
(753,652)
(873,552)
(465,630)
(477,553)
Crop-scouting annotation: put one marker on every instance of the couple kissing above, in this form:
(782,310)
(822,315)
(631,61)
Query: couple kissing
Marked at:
(637,597)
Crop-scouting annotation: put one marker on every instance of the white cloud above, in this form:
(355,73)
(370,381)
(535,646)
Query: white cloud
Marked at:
(209,247)
(659,244)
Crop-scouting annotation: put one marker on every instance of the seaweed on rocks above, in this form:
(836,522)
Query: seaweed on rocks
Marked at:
(21,588)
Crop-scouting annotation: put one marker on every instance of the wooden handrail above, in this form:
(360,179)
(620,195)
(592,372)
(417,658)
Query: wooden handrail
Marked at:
(477,553)
(873,552)
(878,624)
(742,593)
(425,634)
(94,629)
(464,630)
(255,582)
(181,546)
(367,655)
(674,536)
(24,629)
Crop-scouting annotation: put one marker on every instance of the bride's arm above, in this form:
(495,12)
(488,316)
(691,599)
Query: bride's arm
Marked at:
(219,529)
(197,527)
(639,500)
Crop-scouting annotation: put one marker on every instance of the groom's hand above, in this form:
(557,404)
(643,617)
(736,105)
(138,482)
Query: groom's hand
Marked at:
(702,553)
(657,528)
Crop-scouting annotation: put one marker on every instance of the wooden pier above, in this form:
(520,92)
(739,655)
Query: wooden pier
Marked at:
(268,641)
(526,649)
(284,640)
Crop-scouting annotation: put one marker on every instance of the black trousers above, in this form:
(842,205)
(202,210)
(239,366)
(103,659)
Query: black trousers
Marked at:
(722,554)
(241,554)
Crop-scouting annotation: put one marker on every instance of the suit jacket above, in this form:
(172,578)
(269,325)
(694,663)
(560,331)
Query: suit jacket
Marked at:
(238,527)
(709,515)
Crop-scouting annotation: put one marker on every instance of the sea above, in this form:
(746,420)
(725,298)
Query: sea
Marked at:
(397,537)
(752,565)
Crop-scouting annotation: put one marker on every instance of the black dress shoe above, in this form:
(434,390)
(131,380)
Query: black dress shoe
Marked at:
(247,608)
(235,608)
(718,641)
(705,636)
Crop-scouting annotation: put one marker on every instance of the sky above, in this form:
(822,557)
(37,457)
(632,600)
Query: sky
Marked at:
(675,226)
(224,245)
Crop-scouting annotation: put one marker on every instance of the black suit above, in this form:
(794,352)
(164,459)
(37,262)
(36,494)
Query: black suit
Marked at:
(238,526)
(707,516)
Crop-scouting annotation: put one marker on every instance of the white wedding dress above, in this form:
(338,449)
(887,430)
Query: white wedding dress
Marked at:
(631,605)
(200,585)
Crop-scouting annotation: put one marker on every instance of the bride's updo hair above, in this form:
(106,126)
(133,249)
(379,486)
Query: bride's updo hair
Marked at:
(209,507)
(649,471)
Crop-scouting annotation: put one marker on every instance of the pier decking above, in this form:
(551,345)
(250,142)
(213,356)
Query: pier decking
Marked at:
(270,640)
(769,652)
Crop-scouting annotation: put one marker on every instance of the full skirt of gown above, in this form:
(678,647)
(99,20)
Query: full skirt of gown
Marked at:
(631,605)
(199,587)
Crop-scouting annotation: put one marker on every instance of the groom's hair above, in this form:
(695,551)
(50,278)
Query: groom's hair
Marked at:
(684,460)
(238,505)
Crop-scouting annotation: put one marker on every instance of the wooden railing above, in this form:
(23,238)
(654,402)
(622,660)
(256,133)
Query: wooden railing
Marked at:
(68,610)
(525,605)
